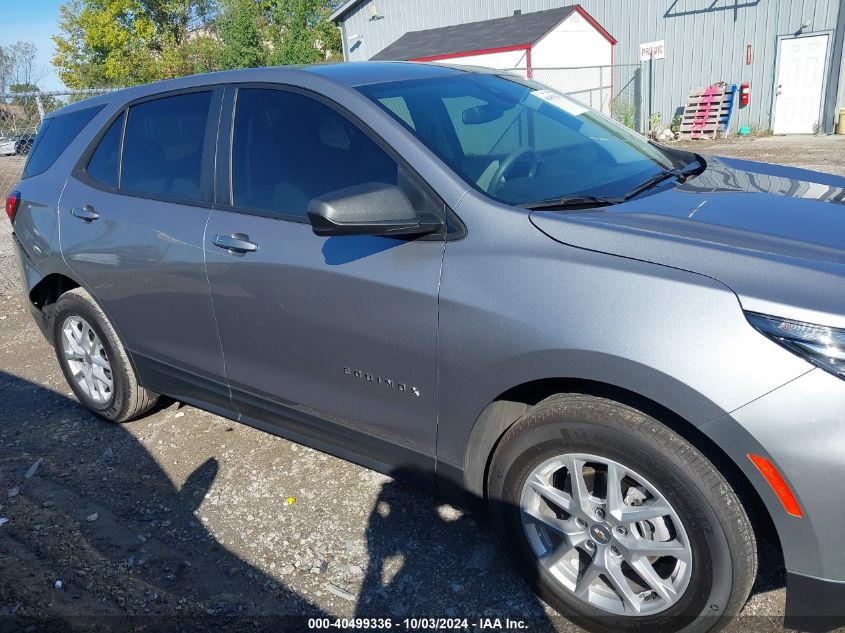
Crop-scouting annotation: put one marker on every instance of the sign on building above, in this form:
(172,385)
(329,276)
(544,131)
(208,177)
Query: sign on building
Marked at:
(652,50)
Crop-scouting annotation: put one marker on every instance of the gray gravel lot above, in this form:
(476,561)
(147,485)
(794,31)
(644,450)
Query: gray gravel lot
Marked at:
(188,516)
(821,153)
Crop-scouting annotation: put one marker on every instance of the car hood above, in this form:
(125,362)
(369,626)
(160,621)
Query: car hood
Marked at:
(775,235)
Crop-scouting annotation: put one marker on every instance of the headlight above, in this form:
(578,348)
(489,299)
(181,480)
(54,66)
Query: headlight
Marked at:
(822,346)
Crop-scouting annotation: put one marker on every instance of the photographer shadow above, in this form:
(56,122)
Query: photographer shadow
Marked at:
(99,538)
(428,559)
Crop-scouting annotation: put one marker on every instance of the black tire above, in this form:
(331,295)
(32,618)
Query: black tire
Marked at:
(128,399)
(719,530)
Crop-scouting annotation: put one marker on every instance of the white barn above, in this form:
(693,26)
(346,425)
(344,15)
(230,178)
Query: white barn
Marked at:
(564,37)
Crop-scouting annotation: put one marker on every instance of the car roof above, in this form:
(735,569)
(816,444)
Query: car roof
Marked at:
(354,74)
(348,74)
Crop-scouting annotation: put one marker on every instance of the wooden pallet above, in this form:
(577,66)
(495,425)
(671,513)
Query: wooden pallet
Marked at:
(708,112)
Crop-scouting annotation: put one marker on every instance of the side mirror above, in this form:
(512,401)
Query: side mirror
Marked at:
(370,209)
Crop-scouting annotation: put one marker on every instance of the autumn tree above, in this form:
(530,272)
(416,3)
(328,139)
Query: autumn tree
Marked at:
(123,42)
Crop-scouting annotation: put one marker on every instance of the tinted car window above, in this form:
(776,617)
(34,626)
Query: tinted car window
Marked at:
(103,164)
(289,148)
(163,144)
(54,136)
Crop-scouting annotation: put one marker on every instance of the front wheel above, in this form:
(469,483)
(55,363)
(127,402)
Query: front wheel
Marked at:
(617,521)
(93,360)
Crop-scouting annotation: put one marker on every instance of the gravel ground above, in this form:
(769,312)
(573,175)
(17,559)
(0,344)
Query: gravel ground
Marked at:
(185,518)
(821,153)
(10,170)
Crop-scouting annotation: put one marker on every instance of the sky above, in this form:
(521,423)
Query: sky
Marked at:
(33,21)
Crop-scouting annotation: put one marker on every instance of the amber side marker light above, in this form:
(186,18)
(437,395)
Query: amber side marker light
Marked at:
(781,489)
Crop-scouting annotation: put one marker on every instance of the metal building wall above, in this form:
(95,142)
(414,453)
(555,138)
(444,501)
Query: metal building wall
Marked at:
(705,40)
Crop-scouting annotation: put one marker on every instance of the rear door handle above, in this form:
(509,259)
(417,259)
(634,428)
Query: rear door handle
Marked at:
(236,243)
(86,213)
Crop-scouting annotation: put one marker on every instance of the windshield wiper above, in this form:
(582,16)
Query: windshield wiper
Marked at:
(570,202)
(693,169)
(576,201)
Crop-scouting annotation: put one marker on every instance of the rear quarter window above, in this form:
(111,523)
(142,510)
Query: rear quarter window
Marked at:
(103,164)
(54,136)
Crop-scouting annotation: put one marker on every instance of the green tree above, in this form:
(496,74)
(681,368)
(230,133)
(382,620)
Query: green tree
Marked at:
(240,27)
(301,32)
(198,53)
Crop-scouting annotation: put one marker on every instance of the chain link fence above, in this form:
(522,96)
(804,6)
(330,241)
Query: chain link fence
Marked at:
(614,90)
(20,115)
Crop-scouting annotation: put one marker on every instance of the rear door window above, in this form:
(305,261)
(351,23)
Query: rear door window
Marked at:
(53,138)
(163,146)
(103,164)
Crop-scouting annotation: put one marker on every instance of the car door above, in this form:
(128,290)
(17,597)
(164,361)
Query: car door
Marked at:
(333,339)
(132,219)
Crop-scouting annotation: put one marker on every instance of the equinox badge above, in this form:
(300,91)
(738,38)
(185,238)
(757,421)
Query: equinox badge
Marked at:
(379,380)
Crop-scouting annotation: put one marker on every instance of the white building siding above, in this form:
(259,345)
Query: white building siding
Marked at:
(506,59)
(574,42)
(705,41)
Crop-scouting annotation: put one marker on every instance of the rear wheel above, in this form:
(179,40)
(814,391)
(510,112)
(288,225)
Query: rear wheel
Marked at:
(93,360)
(617,521)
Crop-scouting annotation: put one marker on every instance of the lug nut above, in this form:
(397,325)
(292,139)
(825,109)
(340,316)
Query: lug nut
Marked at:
(615,551)
(591,545)
(599,514)
(581,523)
(620,531)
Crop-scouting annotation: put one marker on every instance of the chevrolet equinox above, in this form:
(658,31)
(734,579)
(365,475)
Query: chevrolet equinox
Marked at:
(633,355)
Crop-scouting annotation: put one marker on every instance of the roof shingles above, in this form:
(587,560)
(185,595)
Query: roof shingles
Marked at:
(513,30)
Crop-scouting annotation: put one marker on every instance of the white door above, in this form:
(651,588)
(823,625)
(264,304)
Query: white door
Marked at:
(800,83)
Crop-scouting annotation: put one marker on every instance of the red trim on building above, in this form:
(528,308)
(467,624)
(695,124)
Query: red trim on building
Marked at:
(595,24)
(527,48)
(612,51)
(481,51)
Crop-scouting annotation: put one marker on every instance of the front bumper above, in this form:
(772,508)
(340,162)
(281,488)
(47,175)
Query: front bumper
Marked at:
(814,604)
(800,428)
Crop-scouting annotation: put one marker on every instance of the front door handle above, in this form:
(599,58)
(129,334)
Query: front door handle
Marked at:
(86,213)
(236,243)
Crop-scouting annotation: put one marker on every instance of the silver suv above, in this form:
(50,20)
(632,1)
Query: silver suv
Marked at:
(632,355)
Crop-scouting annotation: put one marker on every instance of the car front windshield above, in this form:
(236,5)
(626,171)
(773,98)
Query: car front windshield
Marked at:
(518,141)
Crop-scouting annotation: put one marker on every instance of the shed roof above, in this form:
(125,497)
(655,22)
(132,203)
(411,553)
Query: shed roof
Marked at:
(521,30)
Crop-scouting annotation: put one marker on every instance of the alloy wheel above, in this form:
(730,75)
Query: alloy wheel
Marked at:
(87,360)
(606,534)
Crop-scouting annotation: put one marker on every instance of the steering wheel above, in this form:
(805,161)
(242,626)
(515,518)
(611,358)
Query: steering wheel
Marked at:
(508,162)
